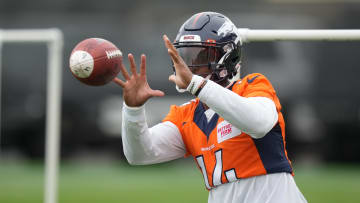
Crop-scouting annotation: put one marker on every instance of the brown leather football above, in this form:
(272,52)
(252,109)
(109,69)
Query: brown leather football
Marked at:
(95,61)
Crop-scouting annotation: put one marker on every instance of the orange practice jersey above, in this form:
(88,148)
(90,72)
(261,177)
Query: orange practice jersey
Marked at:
(224,153)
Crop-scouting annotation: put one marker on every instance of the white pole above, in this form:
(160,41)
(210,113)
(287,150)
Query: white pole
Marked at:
(53,110)
(31,35)
(249,35)
(54,40)
(1,43)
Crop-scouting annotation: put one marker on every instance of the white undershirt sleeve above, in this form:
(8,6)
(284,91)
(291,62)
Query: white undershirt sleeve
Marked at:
(143,145)
(255,116)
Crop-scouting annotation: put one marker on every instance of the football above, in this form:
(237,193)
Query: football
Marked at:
(95,61)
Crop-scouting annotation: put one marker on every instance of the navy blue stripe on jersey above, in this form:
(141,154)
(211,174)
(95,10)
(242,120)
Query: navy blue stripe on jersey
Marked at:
(271,151)
(201,121)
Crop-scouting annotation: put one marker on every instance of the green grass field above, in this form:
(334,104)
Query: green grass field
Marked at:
(172,182)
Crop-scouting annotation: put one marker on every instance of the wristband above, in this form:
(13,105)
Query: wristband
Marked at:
(201,87)
(194,84)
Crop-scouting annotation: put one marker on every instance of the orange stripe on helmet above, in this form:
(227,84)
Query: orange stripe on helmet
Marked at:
(197,18)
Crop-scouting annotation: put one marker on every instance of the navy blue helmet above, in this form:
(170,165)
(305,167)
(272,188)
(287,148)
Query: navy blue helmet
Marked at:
(210,39)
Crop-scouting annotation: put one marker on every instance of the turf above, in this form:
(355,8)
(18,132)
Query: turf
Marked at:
(173,182)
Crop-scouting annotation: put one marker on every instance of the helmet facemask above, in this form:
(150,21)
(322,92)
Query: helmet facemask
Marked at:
(220,58)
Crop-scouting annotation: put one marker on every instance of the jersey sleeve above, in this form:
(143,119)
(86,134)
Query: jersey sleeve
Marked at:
(174,116)
(257,85)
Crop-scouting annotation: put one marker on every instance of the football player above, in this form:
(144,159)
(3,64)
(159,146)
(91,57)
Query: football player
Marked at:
(235,131)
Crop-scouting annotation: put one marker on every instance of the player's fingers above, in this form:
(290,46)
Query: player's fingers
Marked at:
(143,65)
(132,64)
(172,51)
(173,56)
(172,78)
(119,82)
(157,93)
(168,44)
(124,71)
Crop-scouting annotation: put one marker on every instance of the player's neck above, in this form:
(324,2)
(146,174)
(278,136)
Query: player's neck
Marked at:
(205,106)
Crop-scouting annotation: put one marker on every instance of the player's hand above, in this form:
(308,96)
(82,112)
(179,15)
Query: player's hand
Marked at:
(136,89)
(183,75)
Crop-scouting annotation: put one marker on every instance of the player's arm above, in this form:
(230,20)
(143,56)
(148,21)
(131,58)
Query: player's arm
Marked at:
(143,145)
(255,116)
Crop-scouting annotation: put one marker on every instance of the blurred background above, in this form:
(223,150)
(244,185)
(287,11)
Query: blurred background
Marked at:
(316,82)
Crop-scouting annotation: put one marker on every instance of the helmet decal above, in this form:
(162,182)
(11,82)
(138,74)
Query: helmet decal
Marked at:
(227,27)
(210,42)
(190,38)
